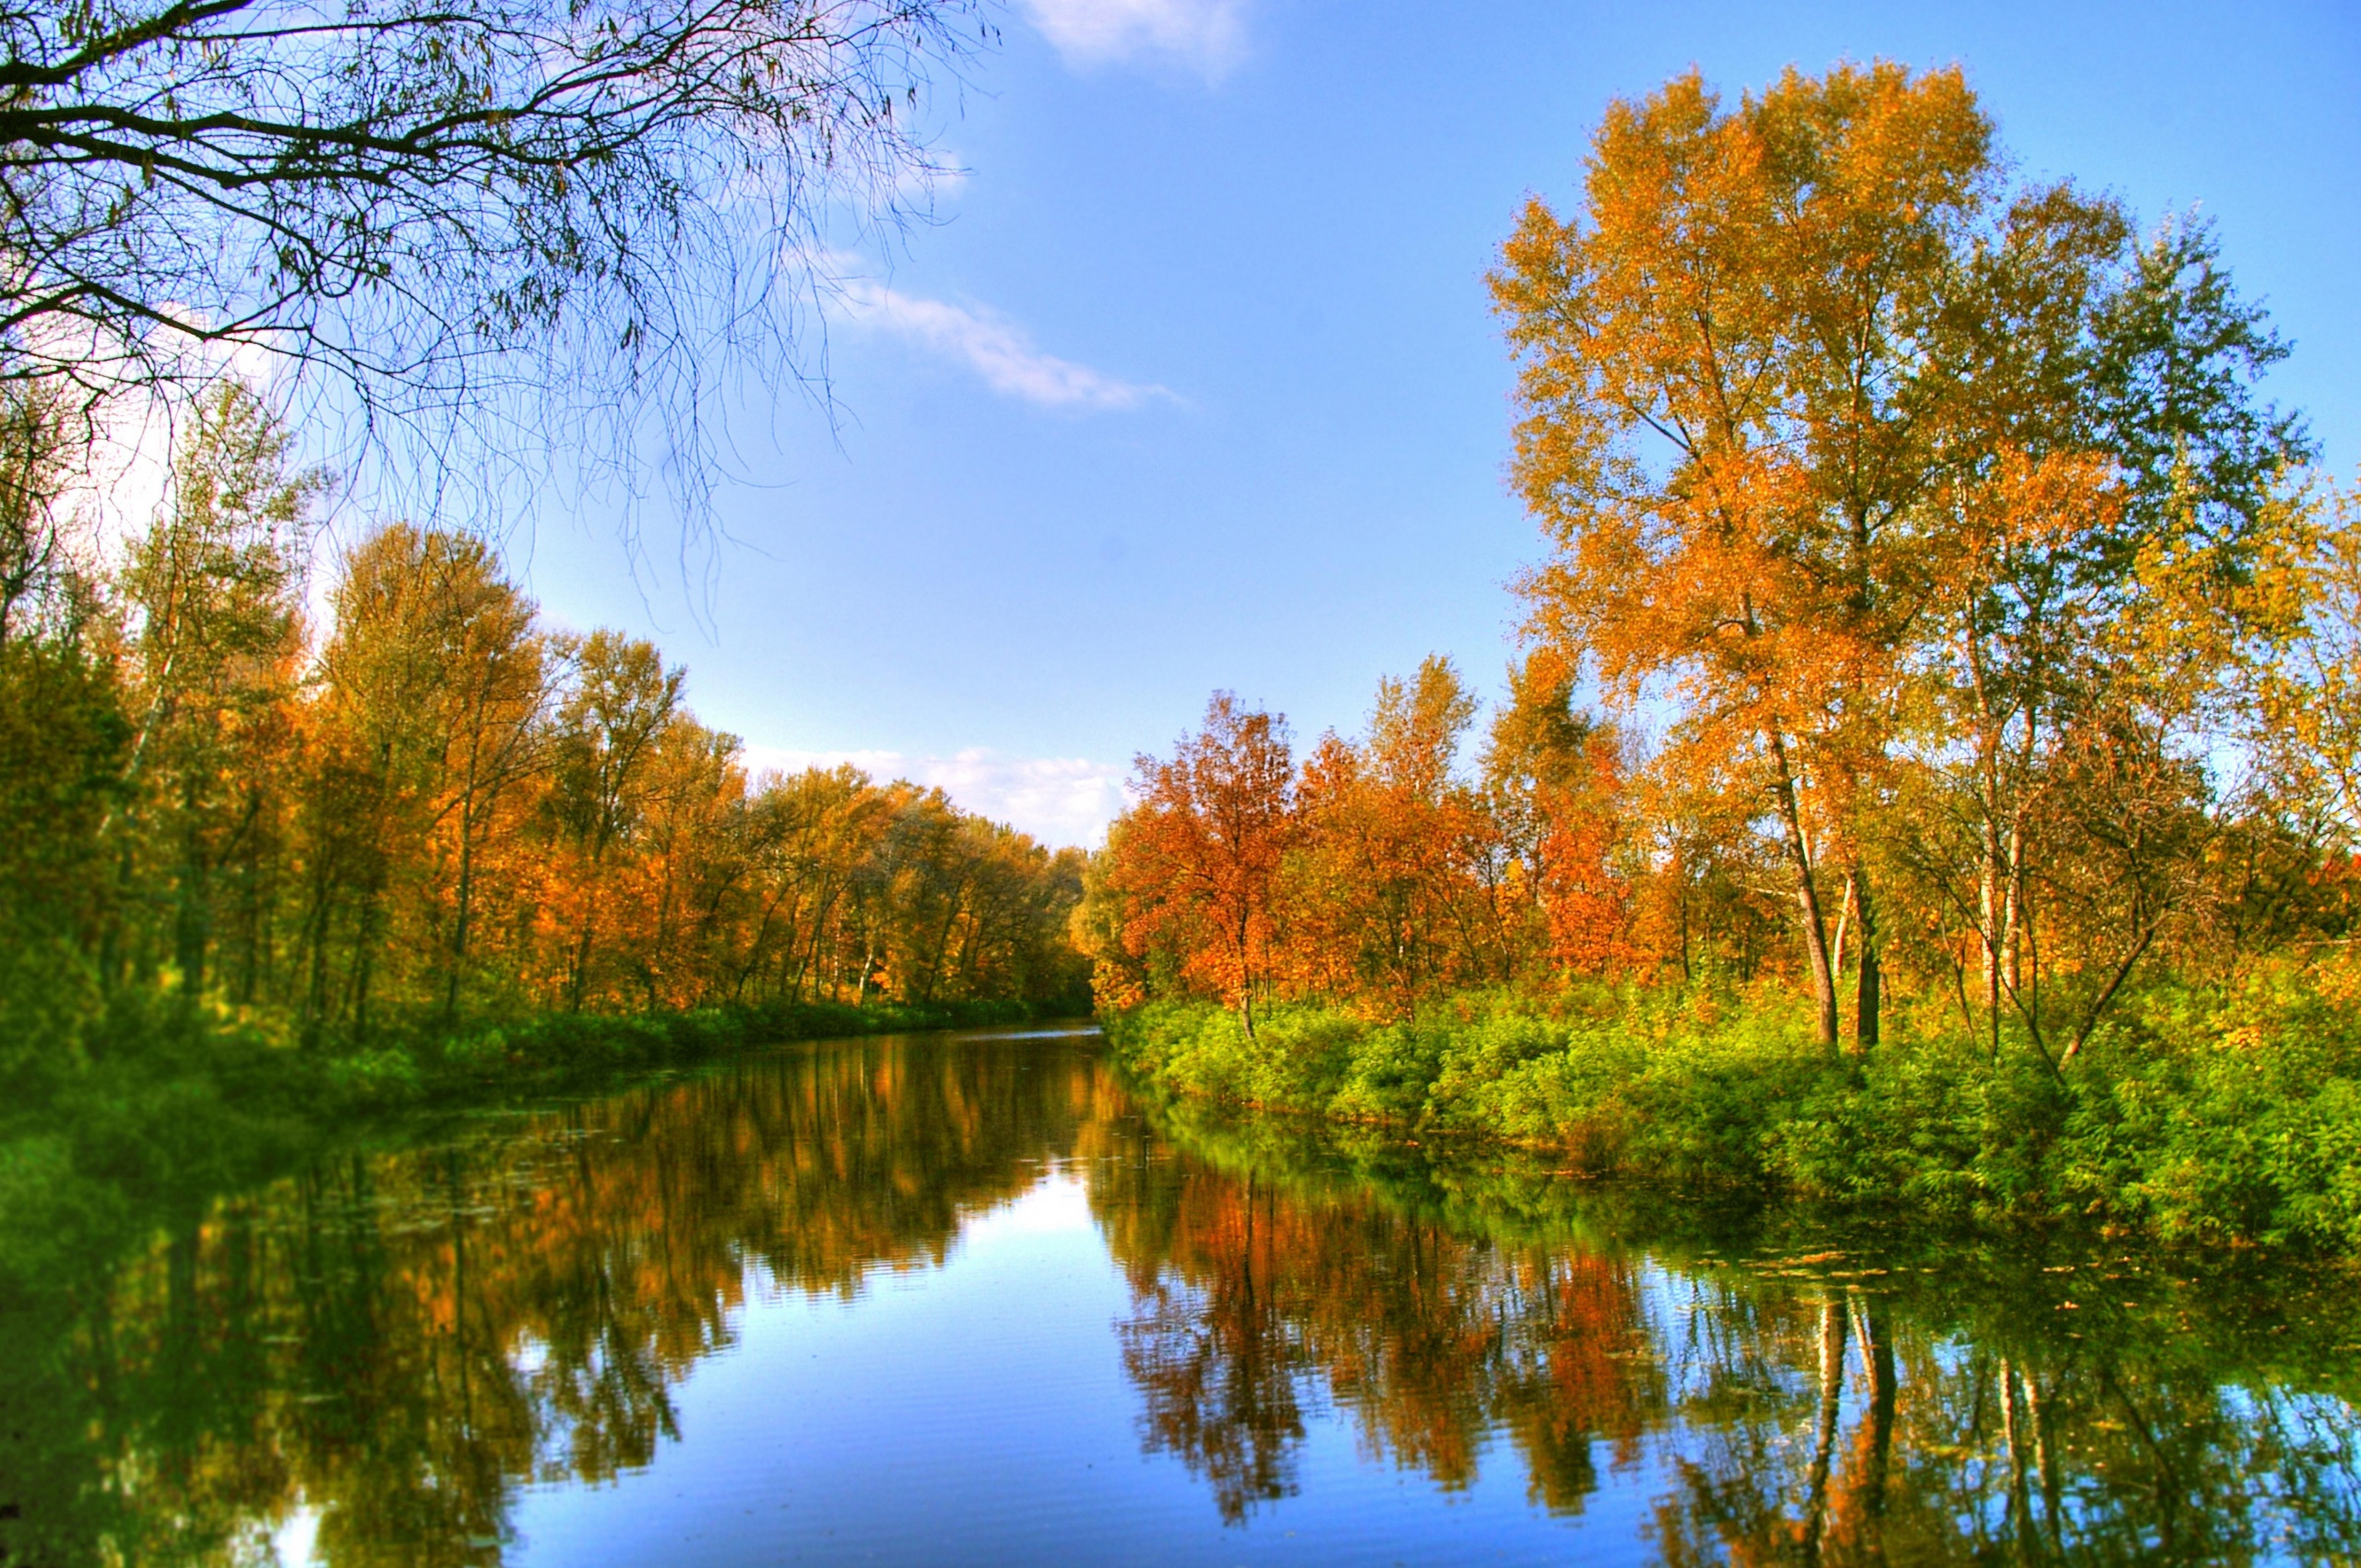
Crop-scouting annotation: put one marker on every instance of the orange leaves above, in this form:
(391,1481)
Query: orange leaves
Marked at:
(2021,502)
(1385,881)
(1201,852)
(1379,876)
(1750,371)
(1584,901)
(1872,487)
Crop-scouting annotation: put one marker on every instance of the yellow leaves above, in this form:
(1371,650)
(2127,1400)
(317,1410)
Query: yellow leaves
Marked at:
(2245,1038)
(2337,974)
(1734,270)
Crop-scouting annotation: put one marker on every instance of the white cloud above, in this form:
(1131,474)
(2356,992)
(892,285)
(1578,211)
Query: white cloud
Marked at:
(996,349)
(1207,36)
(1057,800)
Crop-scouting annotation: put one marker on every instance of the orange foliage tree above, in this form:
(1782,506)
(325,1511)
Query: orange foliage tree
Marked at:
(1843,446)
(1924,540)
(1201,852)
(1392,893)
(1732,373)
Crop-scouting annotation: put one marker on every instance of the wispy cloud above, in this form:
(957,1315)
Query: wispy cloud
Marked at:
(995,349)
(1057,800)
(1205,36)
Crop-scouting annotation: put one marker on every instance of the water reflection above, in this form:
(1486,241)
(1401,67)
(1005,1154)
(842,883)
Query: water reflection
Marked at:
(400,1341)
(1820,1407)
(1251,1298)
(392,1348)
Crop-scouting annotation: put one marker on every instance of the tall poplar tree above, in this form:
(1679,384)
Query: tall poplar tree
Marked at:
(1818,409)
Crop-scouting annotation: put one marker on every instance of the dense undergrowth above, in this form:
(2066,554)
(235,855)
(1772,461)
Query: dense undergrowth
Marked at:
(2200,1115)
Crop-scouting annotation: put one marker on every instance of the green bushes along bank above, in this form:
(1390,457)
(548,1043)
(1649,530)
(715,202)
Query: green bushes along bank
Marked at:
(2205,1116)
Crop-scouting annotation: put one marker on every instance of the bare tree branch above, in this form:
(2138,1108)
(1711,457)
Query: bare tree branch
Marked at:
(469,234)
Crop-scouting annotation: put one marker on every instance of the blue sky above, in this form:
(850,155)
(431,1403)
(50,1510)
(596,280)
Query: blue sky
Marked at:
(1193,384)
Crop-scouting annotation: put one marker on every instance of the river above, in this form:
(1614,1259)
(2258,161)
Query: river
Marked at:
(964,1298)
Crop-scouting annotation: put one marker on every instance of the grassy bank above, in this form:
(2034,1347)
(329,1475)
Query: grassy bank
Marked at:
(172,1102)
(2214,1116)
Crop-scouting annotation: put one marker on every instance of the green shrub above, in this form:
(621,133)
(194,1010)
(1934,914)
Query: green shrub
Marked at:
(2202,1115)
(385,1078)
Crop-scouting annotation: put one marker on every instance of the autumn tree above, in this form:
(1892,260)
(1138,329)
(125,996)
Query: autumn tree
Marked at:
(811,834)
(490,709)
(2116,484)
(2307,697)
(1384,888)
(1203,847)
(1819,406)
(621,701)
(1554,779)
(216,655)
(371,786)
(1753,288)
(435,812)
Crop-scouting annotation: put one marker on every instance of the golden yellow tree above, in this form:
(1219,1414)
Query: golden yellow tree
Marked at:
(1731,400)
(1826,422)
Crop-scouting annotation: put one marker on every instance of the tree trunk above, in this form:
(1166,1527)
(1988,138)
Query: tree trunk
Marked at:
(459,919)
(1868,986)
(192,914)
(1990,899)
(1815,924)
(2013,1437)
(580,980)
(1877,1352)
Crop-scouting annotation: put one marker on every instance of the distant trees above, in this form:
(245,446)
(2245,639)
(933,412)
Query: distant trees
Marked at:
(1987,633)
(1374,872)
(432,809)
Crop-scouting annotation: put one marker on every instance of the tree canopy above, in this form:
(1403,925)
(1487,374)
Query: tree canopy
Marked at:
(1968,629)
(1849,447)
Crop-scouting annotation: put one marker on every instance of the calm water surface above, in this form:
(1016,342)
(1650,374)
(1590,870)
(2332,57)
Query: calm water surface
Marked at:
(961,1298)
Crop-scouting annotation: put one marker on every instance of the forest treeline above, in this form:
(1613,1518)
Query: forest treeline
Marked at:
(425,810)
(1940,637)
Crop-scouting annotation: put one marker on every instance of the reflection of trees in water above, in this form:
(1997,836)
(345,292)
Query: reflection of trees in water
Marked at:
(1883,1439)
(1782,1415)
(1218,1369)
(1251,1300)
(399,1340)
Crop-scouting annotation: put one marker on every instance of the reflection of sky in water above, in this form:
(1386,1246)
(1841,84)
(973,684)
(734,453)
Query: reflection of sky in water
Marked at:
(291,1542)
(922,1302)
(979,1412)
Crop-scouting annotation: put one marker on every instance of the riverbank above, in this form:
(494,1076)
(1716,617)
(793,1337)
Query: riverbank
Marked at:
(1303,1326)
(2214,1116)
(174,1101)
